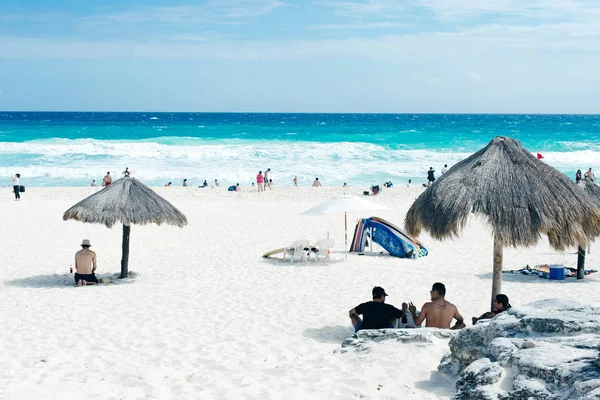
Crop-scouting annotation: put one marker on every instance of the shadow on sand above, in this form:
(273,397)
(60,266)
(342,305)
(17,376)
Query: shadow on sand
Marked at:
(330,334)
(438,385)
(64,280)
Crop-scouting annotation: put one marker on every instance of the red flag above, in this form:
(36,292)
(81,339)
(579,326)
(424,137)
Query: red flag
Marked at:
(540,156)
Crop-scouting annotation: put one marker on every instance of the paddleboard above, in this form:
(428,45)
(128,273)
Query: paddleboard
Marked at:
(273,252)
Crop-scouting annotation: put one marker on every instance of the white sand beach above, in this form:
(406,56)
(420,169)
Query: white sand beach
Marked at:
(208,318)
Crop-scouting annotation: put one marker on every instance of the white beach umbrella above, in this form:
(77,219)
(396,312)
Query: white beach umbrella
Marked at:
(344,204)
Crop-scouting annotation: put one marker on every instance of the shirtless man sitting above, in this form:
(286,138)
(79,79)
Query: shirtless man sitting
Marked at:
(439,313)
(85,265)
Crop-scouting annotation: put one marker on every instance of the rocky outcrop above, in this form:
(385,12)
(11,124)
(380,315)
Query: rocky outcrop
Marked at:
(364,339)
(545,350)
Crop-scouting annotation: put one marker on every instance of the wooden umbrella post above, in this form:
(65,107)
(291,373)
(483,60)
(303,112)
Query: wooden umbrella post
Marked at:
(580,262)
(345,235)
(125,250)
(497,275)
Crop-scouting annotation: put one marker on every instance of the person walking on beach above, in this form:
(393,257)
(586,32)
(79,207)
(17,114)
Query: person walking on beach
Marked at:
(85,265)
(93,183)
(578,176)
(376,314)
(266,179)
(260,180)
(17,186)
(296,180)
(444,169)
(185,182)
(438,313)
(430,176)
(107,180)
(316,183)
(590,175)
(409,184)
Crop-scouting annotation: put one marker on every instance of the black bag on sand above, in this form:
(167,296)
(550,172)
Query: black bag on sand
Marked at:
(21,189)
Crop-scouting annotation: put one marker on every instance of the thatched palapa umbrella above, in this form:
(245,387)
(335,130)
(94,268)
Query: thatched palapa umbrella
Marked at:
(593,192)
(521,197)
(127,201)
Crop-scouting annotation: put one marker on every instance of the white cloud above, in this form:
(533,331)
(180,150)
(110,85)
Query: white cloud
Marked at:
(359,25)
(208,11)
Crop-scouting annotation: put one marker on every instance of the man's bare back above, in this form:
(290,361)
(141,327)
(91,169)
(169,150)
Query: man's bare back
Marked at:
(439,314)
(85,261)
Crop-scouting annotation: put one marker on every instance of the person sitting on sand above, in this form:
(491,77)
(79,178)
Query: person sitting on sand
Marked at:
(85,265)
(93,183)
(501,304)
(107,180)
(168,184)
(316,183)
(376,314)
(438,313)
(185,182)
(204,184)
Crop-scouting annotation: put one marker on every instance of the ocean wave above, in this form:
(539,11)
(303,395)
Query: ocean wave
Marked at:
(64,161)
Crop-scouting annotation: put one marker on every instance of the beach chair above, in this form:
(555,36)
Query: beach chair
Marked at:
(299,248)
(321,249)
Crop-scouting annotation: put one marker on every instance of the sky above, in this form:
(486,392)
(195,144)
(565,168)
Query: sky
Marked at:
(464,56)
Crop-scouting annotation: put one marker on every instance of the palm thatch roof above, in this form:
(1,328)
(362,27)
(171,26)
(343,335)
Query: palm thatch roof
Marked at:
(521,197)
(127,201)
(592,190)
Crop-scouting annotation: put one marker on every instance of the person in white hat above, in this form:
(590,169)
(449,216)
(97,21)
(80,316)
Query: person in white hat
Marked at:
(85,265)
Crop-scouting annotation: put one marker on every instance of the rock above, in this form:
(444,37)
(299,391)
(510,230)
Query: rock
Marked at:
(363,340)
(476,380)
(547,350)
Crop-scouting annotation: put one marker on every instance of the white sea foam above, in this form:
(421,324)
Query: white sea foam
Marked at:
(62,161)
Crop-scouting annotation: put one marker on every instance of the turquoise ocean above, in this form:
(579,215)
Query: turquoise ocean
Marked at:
(72,148)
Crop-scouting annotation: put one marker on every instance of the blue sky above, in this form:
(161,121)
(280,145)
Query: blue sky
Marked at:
(307,56)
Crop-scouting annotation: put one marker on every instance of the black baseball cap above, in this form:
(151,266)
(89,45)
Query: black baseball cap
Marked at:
(378,291)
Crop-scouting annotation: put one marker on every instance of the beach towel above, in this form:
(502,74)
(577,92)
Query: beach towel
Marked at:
(543,271)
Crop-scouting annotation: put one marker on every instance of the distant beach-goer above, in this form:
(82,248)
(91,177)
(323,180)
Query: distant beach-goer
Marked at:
(204,184)
(85,265)
(438,313)
(266,177)
(501,304)
(185,182)
(93,183)
(376,314)
(316,183)
(237,187)
(431,175)
(271,183)
(126,172)
(107,180)
(260,180)
(578,176)
(590,175)
(345,185)
(17,186)
(217,184)
(409,184)
(295,180)
(168,184)
(444,169)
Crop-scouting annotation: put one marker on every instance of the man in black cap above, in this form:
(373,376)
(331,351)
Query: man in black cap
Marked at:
(376,314)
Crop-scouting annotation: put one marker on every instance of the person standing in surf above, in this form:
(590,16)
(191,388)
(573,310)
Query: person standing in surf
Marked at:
(266,178)
(578,176)
(260,180)
(17,186)
(430,176)
(107,180)
(296,180)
